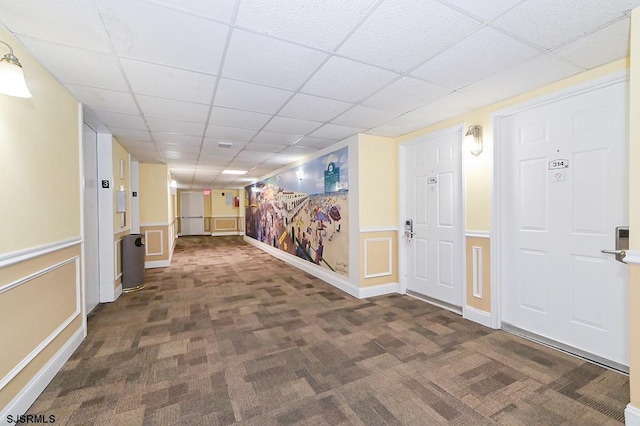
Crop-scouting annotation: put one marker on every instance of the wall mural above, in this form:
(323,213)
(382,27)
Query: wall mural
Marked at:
(305,211)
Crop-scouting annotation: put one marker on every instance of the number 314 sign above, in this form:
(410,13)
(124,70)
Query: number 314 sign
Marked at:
(558,164)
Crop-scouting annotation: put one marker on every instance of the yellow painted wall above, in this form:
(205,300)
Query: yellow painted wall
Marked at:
(377,181)
(154,194)
(39,161)
(124,183)
(634,208)
(219,205)
(40,198)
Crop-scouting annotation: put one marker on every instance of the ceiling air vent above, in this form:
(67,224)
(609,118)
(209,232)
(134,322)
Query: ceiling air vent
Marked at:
(225,144)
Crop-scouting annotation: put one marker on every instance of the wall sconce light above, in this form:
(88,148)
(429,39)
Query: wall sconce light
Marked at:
(474,135)
(12,80)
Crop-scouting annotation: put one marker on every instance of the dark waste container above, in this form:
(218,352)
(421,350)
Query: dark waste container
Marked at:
(132,262)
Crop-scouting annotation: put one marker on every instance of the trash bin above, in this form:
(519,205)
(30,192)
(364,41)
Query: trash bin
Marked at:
(132,262)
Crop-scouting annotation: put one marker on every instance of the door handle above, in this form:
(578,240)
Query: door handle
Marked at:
(620,254)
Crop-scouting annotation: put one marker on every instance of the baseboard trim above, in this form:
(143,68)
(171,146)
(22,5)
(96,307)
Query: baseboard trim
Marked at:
(150,264)
(632,416)
(476,315)
(225,233)
(27,396)
(117,292)
(378,290)
(311,268)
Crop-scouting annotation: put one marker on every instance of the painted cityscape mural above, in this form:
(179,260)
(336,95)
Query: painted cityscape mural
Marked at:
(305,211)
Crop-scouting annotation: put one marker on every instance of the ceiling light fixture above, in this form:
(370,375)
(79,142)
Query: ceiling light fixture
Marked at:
(12,80)
(234,172)
(474,135)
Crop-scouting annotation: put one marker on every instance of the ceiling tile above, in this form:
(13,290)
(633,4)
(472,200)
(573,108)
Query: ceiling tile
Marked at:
(483,53)
(402,34)
(108,100)
(123,121)
(402,125)
(277,138)
(168,82)
(364,117)
(238,118)
(332,131)
(348,80)
(176,138)
(219,10)
(89,68)
(179,147)
(179,155)
(210,146)
(172,109)
(215,159)
(265,147)
(263,60)
(601,47)
(230,133)
(135,147)
(322,24)
(544,69)
(550,23)
(406,94)
(450,106)
(131,134)
(69,22)
(253,156)
(313,108)
(485,10)
(291,125)
(317,143)
(157,124)
(251,97)
(141,30)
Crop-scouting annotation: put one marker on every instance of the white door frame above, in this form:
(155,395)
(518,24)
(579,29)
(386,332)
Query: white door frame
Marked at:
(403,251)
(497,231)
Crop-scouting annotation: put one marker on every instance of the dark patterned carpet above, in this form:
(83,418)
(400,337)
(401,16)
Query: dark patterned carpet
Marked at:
(229,334)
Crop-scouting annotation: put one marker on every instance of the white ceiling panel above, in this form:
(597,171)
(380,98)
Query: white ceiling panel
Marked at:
(317,143)
(131,134)
(122,121)
(108,100)
(485,10)
(250,97)
(483,53)
(402,34)
(179,155)
(168,82)
(93,69)
(282,159)
(210,146)
(291,125)
(601,47)
(406,94)
(348,80)
(69,22)
(137,146)
(221,10)
(253,156)
(313,108)
(176,138)
(178,147)
(532,74)
(141,30)
(277,138)
(172,109)
(550,23)
(263,60)
(333,131)
(404,124)
(229,133)
(322,24)
(238,118)
(157,124)
(449,106)
(364,117)
(265,147)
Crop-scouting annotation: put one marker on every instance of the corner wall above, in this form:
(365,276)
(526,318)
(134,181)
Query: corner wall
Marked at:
(157,210)
(41,309)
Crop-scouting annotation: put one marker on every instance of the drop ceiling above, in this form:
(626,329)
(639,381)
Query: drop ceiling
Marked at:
(279,80)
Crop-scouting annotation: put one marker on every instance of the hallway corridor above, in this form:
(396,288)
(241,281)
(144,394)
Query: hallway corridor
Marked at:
(229,334)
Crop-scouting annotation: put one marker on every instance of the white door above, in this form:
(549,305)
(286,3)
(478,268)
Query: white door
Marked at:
(191,213)
(433,202)
(563,191)
(90,215)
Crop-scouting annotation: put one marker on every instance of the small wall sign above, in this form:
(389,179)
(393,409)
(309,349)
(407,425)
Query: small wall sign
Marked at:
(432,180)
(105,183)
(558,164)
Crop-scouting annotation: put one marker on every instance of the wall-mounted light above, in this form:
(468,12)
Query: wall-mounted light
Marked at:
(12,80)
(173,183)
(474,135)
